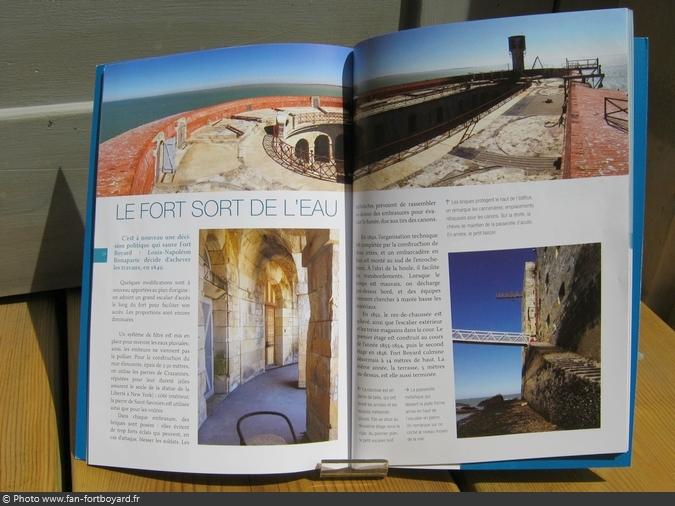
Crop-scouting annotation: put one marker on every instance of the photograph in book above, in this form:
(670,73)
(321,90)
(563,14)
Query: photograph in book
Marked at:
(526,339)
(497,101)
(268,336)
(246,118)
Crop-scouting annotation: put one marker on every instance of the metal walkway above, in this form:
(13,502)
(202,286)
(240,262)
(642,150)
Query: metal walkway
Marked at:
(490,337)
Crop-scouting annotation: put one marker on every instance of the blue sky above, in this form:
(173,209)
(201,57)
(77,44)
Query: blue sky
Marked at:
(475,278)
(236,66)
(484,370)
(485,42)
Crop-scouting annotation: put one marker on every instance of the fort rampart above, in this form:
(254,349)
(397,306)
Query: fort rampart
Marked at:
(127,162)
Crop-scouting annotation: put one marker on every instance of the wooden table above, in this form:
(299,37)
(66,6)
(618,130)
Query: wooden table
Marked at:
(34,436)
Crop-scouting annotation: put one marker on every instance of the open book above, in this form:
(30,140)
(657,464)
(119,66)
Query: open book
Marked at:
(420,250)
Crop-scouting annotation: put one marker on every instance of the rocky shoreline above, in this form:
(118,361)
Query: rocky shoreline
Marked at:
(496,417)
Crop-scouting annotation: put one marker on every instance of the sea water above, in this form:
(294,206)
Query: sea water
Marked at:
(122,115)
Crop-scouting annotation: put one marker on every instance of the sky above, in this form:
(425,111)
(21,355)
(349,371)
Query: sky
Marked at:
(552,37)
(475,278)
(236,66)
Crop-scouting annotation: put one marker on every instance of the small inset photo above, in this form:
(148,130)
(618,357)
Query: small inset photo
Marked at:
(268,336)
(526,339)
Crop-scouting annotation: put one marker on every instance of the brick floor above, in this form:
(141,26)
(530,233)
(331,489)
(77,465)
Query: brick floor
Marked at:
(593,146)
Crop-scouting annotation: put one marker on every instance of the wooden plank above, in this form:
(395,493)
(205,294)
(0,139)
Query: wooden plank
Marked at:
(43,177)
(31,395)
(653,467)
(659,251)
(45,142)
(73,299)
(92,479)
(441,11)
(398,480)
(51,48)
(87,478)
(42,212)
(655,20)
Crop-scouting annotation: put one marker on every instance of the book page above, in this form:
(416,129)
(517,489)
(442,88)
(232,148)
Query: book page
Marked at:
(219,336)
(491,293)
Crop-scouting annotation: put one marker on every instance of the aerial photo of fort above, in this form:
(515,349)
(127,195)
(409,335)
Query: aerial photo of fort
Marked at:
(518,106)
(247,118)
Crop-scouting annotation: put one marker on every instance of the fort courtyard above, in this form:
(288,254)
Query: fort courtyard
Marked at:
(260,143)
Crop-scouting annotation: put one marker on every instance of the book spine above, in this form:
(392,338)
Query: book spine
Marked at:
(81,417)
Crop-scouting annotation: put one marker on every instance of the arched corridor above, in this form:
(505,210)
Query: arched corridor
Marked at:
(267,301)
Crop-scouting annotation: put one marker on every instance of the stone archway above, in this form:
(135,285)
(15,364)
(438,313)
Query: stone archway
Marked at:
(302,150)
(320,257)
(278,279)
(269,317)
(322,148)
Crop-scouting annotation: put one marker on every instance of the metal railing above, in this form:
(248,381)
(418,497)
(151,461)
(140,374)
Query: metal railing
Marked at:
(490,336)
(616,112)
(284,154)
(583,63)
(593,75)
(319,118)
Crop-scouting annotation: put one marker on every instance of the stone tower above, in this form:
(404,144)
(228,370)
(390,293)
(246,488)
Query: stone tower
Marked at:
(517,50)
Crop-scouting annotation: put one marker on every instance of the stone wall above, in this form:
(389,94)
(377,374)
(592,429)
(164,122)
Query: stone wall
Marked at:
(399,128)
(568,293)
(386,92)
(251,297)
(303,320)
(561,366)
(201,364)
(224,366)
(529,301)
(320,256)
(562,386)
